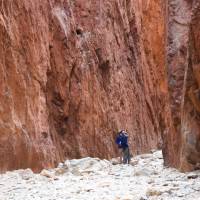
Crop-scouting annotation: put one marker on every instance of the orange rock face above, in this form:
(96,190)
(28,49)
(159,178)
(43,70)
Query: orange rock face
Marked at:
(184,83)
(74,72)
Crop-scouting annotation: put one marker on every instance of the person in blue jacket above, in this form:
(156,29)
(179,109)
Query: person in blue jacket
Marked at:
(122,142)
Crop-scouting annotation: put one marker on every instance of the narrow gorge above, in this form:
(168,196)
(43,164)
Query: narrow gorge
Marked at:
(74,72)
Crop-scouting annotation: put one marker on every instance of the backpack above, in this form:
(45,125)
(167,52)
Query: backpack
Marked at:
(122,139)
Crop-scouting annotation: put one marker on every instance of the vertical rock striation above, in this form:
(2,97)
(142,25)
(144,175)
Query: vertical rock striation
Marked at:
(183,72)
(74,72)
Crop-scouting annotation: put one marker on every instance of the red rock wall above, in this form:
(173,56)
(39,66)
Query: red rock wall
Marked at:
(183,71)
(74,72)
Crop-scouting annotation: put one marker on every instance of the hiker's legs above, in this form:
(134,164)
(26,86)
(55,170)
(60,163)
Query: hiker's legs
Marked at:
(126,156)
(121,155)
(129,156)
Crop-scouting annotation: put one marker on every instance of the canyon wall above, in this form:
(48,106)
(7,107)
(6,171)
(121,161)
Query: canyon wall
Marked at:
(72,73)
(183,61)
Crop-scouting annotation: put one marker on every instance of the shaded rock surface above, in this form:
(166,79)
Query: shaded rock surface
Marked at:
(183,142)
(96,179)
(74,72)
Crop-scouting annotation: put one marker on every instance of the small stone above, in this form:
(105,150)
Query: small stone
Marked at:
(48,174)
(153,150)
(26,174)
(165,184)
(115,161)
(151,181)
(134,162)
(192,176)
(153,192)
(76,172)
(60,165)
(60,171)
(88,190)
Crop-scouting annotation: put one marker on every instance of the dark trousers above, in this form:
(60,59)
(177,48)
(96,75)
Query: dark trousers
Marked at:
(126,155)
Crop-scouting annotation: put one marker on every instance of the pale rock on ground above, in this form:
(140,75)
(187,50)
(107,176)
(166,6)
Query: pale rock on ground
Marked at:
(95,179)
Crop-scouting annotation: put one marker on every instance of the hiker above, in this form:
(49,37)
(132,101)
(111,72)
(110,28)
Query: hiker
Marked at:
(122,142)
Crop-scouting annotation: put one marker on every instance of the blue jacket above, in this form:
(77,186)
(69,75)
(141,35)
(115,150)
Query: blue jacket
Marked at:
(122,141)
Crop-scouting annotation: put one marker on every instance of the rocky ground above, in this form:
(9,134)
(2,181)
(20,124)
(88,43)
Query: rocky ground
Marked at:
(95,179)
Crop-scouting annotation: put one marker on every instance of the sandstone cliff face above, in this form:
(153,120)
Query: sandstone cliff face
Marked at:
(74,72)
(184,76)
